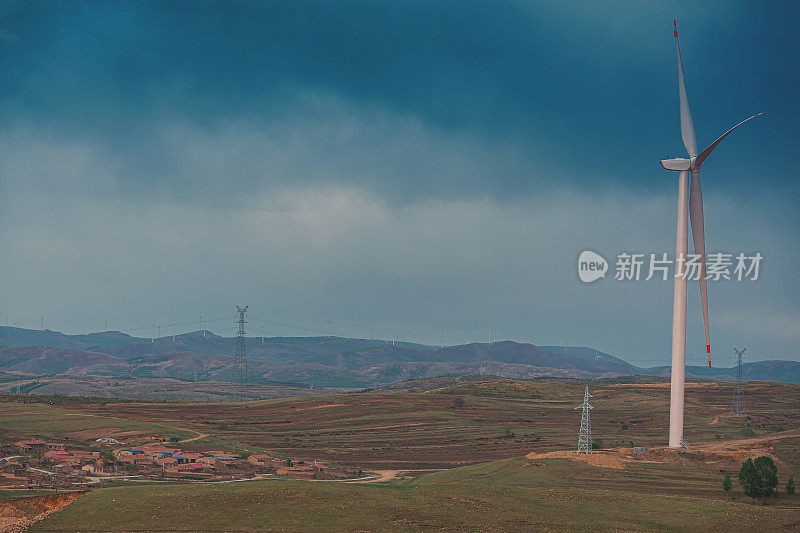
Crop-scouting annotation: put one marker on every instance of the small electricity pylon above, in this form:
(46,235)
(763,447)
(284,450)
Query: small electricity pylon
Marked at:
(737,405)
(585,434)
(240,358)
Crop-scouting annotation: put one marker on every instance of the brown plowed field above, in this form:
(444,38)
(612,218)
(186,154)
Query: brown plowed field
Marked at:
(496,420)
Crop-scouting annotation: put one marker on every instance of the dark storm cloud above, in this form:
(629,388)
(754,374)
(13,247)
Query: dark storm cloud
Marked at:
(566,80)
(450,157)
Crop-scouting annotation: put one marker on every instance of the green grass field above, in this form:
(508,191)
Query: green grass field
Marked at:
(26,419)
(504,495)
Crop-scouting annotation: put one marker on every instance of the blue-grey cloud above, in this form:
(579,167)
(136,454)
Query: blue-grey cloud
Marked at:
(435,164)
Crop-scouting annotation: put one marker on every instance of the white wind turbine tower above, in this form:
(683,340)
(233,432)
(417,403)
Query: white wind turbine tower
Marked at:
(685,167)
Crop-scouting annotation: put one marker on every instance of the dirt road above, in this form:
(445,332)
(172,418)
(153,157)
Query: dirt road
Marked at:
(729,452)
(383,475)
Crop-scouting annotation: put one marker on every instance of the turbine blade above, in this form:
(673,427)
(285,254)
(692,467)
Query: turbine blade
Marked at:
(698,234)
(687,126)
(705,153)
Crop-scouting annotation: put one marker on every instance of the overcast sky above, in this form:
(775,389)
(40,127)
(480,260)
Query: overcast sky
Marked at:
(434,165)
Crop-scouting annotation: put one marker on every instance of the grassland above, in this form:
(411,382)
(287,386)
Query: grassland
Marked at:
(432,430)
(483,436)
(513,494)
(27,419)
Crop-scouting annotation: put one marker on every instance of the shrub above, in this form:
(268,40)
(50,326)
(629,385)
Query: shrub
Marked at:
(624,426)
(790,485)
(726,484)
(458,402)
(747,431)
(597,444)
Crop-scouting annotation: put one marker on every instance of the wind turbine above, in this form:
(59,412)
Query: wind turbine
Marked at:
(685,167)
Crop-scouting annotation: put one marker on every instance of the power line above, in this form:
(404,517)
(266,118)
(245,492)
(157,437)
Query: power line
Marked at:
(737,405)
(585,433)
(240,358)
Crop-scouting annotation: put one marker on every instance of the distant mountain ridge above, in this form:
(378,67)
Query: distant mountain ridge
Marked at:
(324,361)
(786,371)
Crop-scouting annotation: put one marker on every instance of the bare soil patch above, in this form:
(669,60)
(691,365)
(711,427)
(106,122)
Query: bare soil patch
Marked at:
(18,515)
(727,454)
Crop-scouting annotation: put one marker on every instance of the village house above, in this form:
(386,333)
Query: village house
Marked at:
(261,459)
(219,460)
(93,469)
(86,456)
(188,467)
(158,448)
(134,459)
(158,456)
(120,454)
(58,455)
(165,461)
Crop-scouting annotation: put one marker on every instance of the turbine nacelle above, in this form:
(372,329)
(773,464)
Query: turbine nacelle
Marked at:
(677,164)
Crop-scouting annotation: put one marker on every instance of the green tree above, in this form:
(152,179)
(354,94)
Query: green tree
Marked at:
(726,484)
(790,485)
(597,444)
(624,426)
(288,462)
(758,477)
(108,457)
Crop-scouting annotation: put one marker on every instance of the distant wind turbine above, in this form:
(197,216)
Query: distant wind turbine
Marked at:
(684,167)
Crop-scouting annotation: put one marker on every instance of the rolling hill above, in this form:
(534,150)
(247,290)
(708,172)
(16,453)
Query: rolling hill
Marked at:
(53,360)
(324,361)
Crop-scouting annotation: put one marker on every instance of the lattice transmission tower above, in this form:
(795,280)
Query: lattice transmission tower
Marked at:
(585,434)
(737,405)
(240,358)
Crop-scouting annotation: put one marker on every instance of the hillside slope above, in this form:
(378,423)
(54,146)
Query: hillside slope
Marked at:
(325,361)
